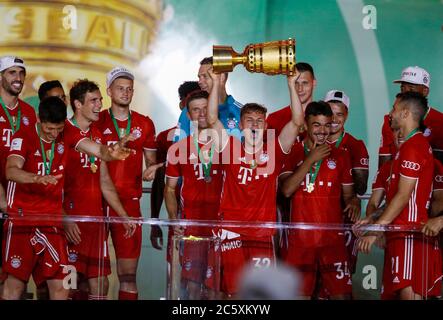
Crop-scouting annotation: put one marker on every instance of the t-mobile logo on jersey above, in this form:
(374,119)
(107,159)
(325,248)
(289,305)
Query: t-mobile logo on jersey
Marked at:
(84,160)
(6,137)
(245,174)
(199,172)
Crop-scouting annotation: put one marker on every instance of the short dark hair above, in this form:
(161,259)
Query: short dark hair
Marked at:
(186,88)
(318,108)
(194,95)
(304,67)
(414,102)
(80,89)
(52,110)
(207,60)
(48,86)
(253,107)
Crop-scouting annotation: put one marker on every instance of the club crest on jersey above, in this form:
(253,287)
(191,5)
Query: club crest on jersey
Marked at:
(60,148)
(137,132)
(98,140)
(209,273)
(264,158)
(73,256)
(427,132)
(26,121)
(331,164)
(231,123)
(188,265)
(16,262)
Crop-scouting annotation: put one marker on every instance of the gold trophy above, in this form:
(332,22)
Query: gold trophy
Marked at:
(276,57)
(76,39)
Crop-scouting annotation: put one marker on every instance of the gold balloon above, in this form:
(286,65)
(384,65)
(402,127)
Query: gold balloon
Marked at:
(276,57)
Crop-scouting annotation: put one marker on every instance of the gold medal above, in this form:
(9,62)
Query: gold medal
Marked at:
(122,132)
(48,154)
(253,164)
(14,121)
(93,167)
(310,187)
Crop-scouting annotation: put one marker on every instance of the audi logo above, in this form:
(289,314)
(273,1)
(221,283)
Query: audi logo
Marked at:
(439,179)
(364,161)
(410,165)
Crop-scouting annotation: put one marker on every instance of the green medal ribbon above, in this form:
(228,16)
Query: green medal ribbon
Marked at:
(426,114)
(14,126)
(90,158)
(206,166)
(411,134)
(128,126)
(312,175)
(51,156)
(337,144)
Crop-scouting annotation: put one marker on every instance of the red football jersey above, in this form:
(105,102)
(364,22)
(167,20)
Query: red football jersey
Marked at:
(250,185)
(199,199)
(127,174)
(82,187)
(434,133)
(438,176)
(163,141)
(27,121)
(324,204)
(357,151)
(381,179)
(414,160)
(278,119)
(31,198)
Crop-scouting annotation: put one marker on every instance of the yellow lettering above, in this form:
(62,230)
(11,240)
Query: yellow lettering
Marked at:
(102,32)
(20,23)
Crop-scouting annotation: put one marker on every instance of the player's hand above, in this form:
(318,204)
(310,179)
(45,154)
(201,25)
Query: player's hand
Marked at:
(72,231)
(130,228)
(433,226)
(119,151)
(292,79)
(156,237)
(45,180)
(353,209)
(356,228)
(149,173)
(216,77)
(365,243)
(319,152)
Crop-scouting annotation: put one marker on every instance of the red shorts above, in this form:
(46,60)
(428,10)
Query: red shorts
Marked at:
(239,251)
(196,259)
(126,248)
(331,262)
(91,255)
(40,251)
(412,260)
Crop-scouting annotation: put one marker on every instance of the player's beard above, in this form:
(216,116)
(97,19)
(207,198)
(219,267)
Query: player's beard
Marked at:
(9,89)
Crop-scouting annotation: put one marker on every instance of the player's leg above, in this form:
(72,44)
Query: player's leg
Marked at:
(127,275)
(13,288)
(57,290)
(98,288)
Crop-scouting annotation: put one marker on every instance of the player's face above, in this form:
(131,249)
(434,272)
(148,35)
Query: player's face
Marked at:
(50,131)
(204,79)
(92,105)
(121,92)
(319,128)
(410,87)
(305,85)
(197,112)
(57,92)
(253,125)
(396,115)
(13,80)
(340,114)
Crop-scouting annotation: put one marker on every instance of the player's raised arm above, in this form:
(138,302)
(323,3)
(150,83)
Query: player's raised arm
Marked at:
(290,131)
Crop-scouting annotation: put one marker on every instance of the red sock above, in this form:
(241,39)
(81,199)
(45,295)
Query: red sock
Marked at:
(125,295)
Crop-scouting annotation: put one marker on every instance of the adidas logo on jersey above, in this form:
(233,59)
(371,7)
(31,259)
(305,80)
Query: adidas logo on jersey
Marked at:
(2,119)
(37,153)
(192,156)
(107,131)
(396,280)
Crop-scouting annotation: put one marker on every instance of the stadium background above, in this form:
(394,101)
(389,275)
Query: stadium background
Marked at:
(163,41)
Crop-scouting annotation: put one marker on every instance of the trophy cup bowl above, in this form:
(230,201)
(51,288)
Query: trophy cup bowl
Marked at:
(275,57)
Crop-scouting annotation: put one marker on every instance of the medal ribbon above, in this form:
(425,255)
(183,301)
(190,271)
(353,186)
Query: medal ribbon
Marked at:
(411,134)
(51,156)
(128,126)
(337,144)
(206,166)
(90,158)
(14,126)
(312,176)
